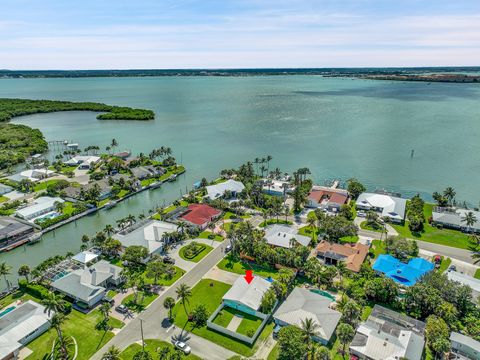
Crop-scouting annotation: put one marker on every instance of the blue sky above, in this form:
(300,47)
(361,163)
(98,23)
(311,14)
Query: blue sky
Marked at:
(106,34)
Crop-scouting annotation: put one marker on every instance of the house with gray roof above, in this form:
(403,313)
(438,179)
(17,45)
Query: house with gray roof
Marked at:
(21,325)
(88,286)
(219,190)
(388,335)
(147,171)
(245,296)
(464,347)
(384,204)
(285,236)
(453,218)
(38,208)
(13,230)
(303,304)
(465,279)
(151,235)
(5,189)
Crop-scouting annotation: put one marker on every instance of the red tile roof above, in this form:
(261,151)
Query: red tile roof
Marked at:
(354,254)
(199,214)
(332,196)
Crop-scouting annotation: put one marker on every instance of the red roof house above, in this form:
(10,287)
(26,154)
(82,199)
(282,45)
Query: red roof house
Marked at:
(327,198)
(200,215)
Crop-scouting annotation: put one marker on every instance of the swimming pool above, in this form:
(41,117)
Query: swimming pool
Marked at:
(7,310)
(324,293)
(50,215)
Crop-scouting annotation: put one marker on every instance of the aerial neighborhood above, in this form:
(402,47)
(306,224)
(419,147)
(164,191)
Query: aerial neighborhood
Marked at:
(256,263)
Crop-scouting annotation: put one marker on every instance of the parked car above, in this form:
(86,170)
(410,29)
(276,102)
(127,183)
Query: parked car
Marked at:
(168,260)
(437,259)
(109,300)
(122,309)
(182,346)
(228,248)
(361,213)
(276,329)
(452,268)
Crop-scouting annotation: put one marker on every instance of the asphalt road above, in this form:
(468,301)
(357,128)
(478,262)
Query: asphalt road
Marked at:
(156,325)
(455,253)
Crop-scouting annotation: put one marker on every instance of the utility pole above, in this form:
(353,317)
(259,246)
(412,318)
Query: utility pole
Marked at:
(141,331)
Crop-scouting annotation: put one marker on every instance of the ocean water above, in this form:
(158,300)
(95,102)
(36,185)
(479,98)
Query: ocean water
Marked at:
(337,127)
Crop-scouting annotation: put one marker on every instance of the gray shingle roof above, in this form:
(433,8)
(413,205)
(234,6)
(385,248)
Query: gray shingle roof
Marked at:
(248,294)
(302,304)
(280,235)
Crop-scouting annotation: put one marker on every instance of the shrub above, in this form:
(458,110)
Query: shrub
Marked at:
(35,290)
(193,249)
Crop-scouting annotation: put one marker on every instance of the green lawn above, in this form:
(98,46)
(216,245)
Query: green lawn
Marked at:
(43,185)
(151,346)
(274,353)
(349,239)
(229,263)
(7,300)
(211,297)
(163,280)
(112,293)
(378,247)
(274,221)
(448,237)
(249,322)
(122,193)
(82,328)
(209,235)
(68,208)
(477,274)
(199,256)
(143,300)
(444,264)
(3,199)
(365,226)
(308,231)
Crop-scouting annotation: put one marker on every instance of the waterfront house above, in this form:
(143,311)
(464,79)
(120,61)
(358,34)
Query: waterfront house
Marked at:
(388,335)
(86,257)
(153,235)
(75,193)
(453,218)
(21,324)
(464,347)
(39,208)
(328,199)
(13,230)
(87,287)
(285,236)
(147,171)
(385,205)
(33,175)
(465,279)
(200,215)
(302,304)
(219,190)
(353,255)
(277,187)
(406,274)
(4,189)
(246,297)
(84,162)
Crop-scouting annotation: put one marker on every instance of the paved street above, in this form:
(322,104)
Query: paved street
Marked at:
(156,325)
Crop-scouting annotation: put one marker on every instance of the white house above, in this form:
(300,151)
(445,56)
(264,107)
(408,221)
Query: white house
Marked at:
(40,206)
(84,162)
(385,205)
(33,175)
(464,347)
(466,280)
(285,236)
(277,187)
(21,325)
(4,189)
(246,297)
(218,190)
(454,218)
(150,235)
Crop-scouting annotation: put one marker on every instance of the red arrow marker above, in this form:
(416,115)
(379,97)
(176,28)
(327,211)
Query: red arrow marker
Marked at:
(248,276)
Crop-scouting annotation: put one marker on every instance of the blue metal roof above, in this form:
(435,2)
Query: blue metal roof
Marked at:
(403,273)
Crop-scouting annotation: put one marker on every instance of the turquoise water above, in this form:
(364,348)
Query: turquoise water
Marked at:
(324,293)
(338,128)
(7,310)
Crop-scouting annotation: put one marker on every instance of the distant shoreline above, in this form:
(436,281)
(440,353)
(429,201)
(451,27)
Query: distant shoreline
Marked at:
(373,73)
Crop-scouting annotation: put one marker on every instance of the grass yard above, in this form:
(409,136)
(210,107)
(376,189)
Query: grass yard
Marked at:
(82,328)
(229,263)
(18,295)
(122,193)
(308,230)
(197,257)
(444,264)
(163,280)
(349,239)
(274,353)
(68,208)
(211,297)
(143,300)
(477,274)
(209,235)
(274,221)
(448,237)
(378,247)
(366,226)
(43,185)
(247,327)
(112,293)
(3,199)
(151,346)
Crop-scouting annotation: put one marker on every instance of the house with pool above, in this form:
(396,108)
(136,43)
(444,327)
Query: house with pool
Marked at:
(302,304)
(386,205)
(40,208)
(406,274)
(277,187)
(231,187)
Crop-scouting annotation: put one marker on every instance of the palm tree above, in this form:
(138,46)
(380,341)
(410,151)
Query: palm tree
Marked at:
(4,271)
(113,353)
(113,144)
(24,270)
(108,229)
(169,303)
(53,303)
(341,269)
(345,334)
(312,221)
(310,330)
(449,193)
(105,309)
(182,225)
(56,321)
(469,219)
(184,293)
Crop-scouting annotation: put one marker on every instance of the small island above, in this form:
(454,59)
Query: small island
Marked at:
(10,108)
